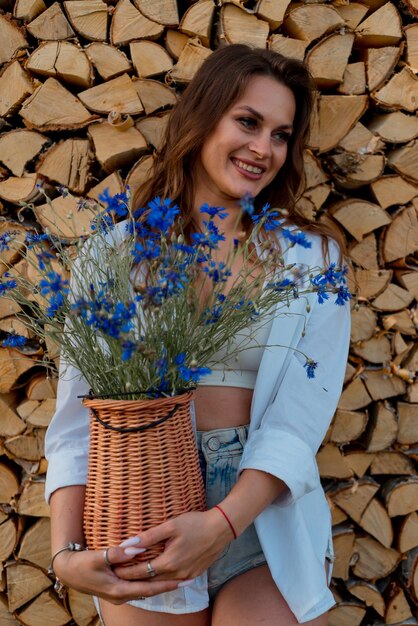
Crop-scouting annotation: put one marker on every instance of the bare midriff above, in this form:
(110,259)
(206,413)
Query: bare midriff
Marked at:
(222,407)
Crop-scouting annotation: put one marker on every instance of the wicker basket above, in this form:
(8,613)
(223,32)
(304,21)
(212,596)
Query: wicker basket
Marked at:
(143,468)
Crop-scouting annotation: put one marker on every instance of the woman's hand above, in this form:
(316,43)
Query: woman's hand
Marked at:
(193,542)
(87,572)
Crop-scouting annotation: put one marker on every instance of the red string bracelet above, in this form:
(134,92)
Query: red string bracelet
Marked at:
(227,519)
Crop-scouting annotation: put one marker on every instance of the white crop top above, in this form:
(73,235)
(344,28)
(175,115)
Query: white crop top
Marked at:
(240,371)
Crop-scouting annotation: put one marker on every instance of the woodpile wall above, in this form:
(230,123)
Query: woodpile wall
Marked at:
(85,90)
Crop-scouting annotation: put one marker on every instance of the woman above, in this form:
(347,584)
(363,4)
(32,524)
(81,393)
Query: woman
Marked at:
(239,128)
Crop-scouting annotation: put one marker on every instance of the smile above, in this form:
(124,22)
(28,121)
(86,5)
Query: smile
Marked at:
(254,171)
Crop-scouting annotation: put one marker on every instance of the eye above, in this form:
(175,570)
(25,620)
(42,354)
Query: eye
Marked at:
(282,136)
(248,122)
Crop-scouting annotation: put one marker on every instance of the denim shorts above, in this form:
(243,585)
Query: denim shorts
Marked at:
(220,452)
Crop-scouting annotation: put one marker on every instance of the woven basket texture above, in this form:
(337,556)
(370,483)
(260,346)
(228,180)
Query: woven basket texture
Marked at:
(137,480)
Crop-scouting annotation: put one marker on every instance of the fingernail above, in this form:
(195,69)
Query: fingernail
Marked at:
(134,551)
(132,541)
(185,583)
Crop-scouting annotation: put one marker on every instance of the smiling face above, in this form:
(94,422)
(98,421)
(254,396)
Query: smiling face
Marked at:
(248,146)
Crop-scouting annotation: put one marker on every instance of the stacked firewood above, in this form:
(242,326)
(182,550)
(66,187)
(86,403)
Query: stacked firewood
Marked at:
(85,90)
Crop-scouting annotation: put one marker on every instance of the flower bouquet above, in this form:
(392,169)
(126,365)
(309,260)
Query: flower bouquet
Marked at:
(142,319)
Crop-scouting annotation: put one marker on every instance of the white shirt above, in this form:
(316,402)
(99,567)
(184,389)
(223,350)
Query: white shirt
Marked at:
(290,415)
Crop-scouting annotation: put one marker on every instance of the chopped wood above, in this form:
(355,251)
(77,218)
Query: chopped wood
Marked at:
(118,94)
(364,253)
(375,350)
(238,26)
(331,463)
(372,282)
(397,607)
(368,593)
(9,484)
(12,39)
(338,516)
(347,426)
(380,385)
(82,607)
(374,560)
(43,413)
(8,539)
(19,147)
(35,544)
(359,461)
(27,10)
(353,497)
(17,189)
(115,148)
(63,217)
(139,173)
(129,24)
(45,610)
(393,190)
(149,58)
(32,500)
(113,182)
(381,28)
(408,533)
(273,11)
(64,60)
(317,196)
(6,618)
(409,280)
(343,537)
(382,427)
(191,58)
(401,239)
(175,42)
(380,63)
(88,18)
(328,59)
(197,21)
(354,396)
(312,21)
(333,118)
(346,614)
(68,163)
(154,95)
(153,128)
(377,522)
(401,495)
(409,571)
(51,25)
(411,34)
(28,447)
(359,217)
(314,174)
(12,366)
(361,140)
(400,92)
(408,423)
(400,321)
(24,582)
(354,79)
(108,61)
(392,462)
(10,423)
(404,160)
(394,298)
(288,47)
(161,11)
(15,86)
(396,127)
(352,13)
(52,107)
(353,170)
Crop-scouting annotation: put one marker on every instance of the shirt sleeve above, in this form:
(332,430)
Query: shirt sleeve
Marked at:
(295,423)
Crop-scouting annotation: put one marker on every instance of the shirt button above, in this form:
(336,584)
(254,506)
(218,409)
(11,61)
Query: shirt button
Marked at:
(213,444)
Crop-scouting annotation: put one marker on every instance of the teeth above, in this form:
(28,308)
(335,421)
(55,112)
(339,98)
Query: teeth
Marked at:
(249,168)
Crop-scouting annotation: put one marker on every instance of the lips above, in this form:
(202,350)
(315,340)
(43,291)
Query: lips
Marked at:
(248,169)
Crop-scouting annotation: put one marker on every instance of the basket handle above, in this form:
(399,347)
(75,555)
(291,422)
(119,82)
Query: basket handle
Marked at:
(134,429)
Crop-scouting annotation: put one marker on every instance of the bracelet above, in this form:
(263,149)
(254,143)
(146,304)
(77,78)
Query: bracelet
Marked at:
(72,547)
(227,519)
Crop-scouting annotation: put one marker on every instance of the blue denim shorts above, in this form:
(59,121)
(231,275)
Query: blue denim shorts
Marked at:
(220,452)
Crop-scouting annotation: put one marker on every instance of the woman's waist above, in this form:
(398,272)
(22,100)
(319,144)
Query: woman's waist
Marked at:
(222,407)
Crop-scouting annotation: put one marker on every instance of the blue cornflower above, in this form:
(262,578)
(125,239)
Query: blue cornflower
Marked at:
(63,191)
(322,294)
(311,366)
(14,341)
(7,285)
(343,295)
(34,238)
(271,219)
(103,222)
(44,257)
(183,247)
(210,238)
(189,374)
(161,214)
(148,249)
(212,315)
(55,303)
(128,348)
(247,203)
(5,239)
(296,238)
(213,211)
(55,284)
(218,272)
(118,203)
(281,285)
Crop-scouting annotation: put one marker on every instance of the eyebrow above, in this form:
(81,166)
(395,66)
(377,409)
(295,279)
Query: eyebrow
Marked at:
(260,117)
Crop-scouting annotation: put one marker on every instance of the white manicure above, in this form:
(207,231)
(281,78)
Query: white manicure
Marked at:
(134,551)
(132,541)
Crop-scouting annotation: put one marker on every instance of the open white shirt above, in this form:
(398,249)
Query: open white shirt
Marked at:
(290,415)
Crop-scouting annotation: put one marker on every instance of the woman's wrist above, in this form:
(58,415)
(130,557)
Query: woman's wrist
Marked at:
(220,526)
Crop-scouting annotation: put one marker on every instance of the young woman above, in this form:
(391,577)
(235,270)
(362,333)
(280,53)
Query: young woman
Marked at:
(265,554)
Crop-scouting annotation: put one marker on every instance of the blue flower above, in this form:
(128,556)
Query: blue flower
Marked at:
(147,249)
(210,238)
(310,366)
(117,203)
(5,239)
(55,304)
(6,286)
(189,374)
(322,294)
(213,211)
(247,203)
(14,341)
(55,284)
(102,222)
(282,285)
(104,315)
(212,315)
(218,272)
(161,214)
(128,348)
(296,238)
(270,219)
(343,295)
(63,191)
(44,257)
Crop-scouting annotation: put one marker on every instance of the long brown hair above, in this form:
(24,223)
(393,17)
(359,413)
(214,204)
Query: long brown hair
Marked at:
(217,84)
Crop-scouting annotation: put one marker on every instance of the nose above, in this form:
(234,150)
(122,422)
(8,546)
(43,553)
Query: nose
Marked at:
(261,145)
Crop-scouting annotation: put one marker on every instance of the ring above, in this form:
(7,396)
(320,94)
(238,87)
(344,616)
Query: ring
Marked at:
(106,557)
(141,598)
(150,570)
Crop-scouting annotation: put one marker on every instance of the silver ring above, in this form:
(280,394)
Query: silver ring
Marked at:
(141,598)
(150,570)
(106,557)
